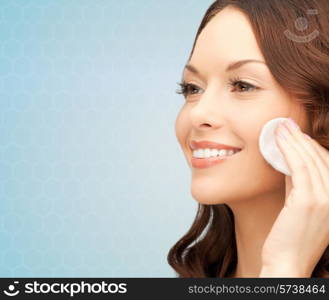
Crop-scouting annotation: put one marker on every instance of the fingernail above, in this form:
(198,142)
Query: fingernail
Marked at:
(292,123)
(281,136)
(307,136)
(282,132)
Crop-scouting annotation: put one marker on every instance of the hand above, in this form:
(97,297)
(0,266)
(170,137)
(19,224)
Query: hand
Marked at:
(300,234)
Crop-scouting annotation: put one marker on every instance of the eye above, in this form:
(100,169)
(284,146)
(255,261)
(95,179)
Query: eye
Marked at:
(239,86)
(187,89)
(242,86)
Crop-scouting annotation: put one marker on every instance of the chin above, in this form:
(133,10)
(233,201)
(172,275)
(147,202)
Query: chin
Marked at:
(207,202)
(207,196)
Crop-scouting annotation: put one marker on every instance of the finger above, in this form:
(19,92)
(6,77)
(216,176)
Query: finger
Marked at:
(321,155)
(300,175)
(322,151)
(306,163)
(305,147)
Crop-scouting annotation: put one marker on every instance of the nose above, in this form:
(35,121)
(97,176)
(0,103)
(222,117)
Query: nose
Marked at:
(208,112)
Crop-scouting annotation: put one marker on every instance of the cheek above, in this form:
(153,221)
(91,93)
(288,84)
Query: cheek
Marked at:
(265,177)
(253,162)
(182,127)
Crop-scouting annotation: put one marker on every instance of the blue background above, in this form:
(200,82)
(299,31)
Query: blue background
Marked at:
(92,179)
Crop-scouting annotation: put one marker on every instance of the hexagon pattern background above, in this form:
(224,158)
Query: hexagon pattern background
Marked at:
(93,182)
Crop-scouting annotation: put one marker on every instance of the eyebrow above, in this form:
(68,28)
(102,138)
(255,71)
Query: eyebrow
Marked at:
(230,67)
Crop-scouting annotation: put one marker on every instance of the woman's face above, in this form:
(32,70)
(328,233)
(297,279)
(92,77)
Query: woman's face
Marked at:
(222,110)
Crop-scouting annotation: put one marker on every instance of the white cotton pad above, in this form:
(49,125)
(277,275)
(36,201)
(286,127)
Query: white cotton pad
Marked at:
(269,148)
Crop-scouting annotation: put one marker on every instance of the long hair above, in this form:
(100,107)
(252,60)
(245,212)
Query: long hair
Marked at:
(300,64)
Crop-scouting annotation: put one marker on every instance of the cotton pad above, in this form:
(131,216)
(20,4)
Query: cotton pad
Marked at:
(269,148)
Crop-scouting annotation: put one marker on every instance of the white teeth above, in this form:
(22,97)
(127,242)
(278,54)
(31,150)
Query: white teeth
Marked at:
(213,152)
(206,153)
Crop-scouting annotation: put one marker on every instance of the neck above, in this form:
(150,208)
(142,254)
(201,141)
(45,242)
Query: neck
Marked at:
(253,221)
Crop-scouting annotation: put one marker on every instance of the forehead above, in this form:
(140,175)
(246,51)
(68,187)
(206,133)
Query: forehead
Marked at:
(227,37)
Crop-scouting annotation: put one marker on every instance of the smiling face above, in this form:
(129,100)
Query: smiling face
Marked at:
(220,108)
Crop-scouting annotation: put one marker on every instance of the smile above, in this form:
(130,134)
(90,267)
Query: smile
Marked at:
(204,158)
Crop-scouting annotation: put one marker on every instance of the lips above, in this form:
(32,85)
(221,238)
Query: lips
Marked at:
(211,145)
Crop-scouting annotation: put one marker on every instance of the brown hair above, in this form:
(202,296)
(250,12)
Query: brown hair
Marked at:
(301,67)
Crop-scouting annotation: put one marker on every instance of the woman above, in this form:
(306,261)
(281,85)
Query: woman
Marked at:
(253,61)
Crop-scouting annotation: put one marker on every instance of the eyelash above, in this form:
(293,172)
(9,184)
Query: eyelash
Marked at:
(185,87)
